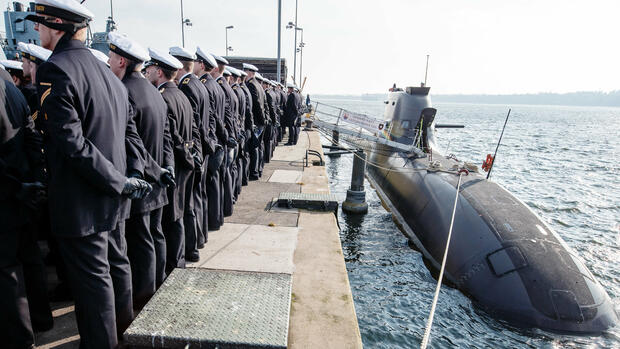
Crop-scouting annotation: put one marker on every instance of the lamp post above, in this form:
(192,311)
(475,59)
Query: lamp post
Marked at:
(228,48)
(301,56)
(184,22)
(292,25)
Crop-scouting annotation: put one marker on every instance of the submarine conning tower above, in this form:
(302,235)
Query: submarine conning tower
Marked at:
(406,111)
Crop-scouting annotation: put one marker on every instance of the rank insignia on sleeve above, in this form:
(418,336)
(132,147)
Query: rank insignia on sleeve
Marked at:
(203,80)
(185,81)
(45,94)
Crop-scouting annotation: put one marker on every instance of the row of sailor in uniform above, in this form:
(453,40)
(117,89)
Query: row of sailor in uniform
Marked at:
(140,155)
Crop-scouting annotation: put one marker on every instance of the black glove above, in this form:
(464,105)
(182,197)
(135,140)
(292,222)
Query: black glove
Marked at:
(167,177)
(136,188)
(31,194)
(231,142)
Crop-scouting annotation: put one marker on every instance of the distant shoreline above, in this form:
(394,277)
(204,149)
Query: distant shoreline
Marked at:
(586,99)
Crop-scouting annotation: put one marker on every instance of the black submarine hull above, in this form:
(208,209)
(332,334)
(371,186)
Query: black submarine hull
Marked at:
(502,255)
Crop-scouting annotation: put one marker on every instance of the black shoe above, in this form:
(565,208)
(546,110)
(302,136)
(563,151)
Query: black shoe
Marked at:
(192,259)
(201,246)
(253,178)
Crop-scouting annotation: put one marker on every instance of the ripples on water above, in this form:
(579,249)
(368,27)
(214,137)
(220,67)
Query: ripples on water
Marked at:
(561,161)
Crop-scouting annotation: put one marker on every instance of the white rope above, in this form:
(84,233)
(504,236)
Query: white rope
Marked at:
(429,324)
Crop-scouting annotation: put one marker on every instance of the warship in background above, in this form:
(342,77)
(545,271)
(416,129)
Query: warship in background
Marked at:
(19,30)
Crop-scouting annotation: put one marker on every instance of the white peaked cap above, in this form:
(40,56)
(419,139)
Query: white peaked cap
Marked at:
(126,47)
(182,52)
(99,55)
(206,57)
(164,60)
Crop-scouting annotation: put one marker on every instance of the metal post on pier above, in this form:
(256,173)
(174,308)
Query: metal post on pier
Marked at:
(356,196)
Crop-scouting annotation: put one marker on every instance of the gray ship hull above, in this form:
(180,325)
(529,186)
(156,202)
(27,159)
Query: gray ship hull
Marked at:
(502,255)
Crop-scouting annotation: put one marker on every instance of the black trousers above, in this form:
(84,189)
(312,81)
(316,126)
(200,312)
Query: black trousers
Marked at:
(201,205)
(292,132)
(142,258)
(175,244)
(229,172)
(256,154)
(267,143)
(15,325)
(189,218)
(159,241)
(214,200)
(100,279)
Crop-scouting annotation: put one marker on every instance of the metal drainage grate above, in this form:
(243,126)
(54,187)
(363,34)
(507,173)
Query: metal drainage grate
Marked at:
(204,308)
(324,202)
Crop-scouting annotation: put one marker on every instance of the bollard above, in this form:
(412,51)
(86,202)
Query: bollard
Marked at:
(335,140)
(356,196)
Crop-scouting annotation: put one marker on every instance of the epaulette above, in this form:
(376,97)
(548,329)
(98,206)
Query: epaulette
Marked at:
(161,90)
(185,81)
(203,80)
(235,87)
(220,81)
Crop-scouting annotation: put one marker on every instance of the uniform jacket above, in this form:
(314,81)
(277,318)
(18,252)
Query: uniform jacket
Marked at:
(271,105)
(291,111)
(198,97)
(217,102)
(241,98)
(151,118)
(20,154)
(258,101)
(283,98)
(181,121)
(230,111)
(249,118)
(91,143)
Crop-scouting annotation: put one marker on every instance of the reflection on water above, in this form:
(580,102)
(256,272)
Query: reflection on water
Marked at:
(561,161)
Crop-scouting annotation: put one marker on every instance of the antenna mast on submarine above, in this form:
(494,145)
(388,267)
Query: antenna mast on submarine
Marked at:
(110,25)
(426,72)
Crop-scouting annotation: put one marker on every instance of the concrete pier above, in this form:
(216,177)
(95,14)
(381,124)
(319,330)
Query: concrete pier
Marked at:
(259,246)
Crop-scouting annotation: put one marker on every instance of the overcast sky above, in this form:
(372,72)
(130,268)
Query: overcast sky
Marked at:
(363,46)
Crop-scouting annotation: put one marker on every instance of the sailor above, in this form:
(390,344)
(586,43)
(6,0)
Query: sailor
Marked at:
(203,66)
(277,137)
(259,117)
(21,79)
(291,113)
(161,71)
(196,92)
(95,162)
(234,81)
(4,75)
(229,172)
(33,56)
(19,202)
(146,244)
(282,107)
(248,126)
(270,128)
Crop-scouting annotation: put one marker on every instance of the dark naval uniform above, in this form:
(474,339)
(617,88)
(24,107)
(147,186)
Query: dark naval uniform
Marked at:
(215,193)
(229,171)
(248,127)
(19,150)
(260,118)
(270,129)
(198,97)
(283,98)
(241,99)
(290,117)
(91,145)
(146,244)
(180,118)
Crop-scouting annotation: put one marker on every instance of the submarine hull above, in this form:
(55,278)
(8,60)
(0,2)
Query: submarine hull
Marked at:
(502,255)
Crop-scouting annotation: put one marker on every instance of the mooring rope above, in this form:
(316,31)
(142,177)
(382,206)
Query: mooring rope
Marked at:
(429,324)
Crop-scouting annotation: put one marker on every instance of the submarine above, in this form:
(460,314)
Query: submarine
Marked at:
(502,255)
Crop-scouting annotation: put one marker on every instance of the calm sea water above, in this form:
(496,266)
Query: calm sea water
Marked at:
(561,161)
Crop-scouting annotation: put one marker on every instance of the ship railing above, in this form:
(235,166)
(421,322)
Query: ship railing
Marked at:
(357,128)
